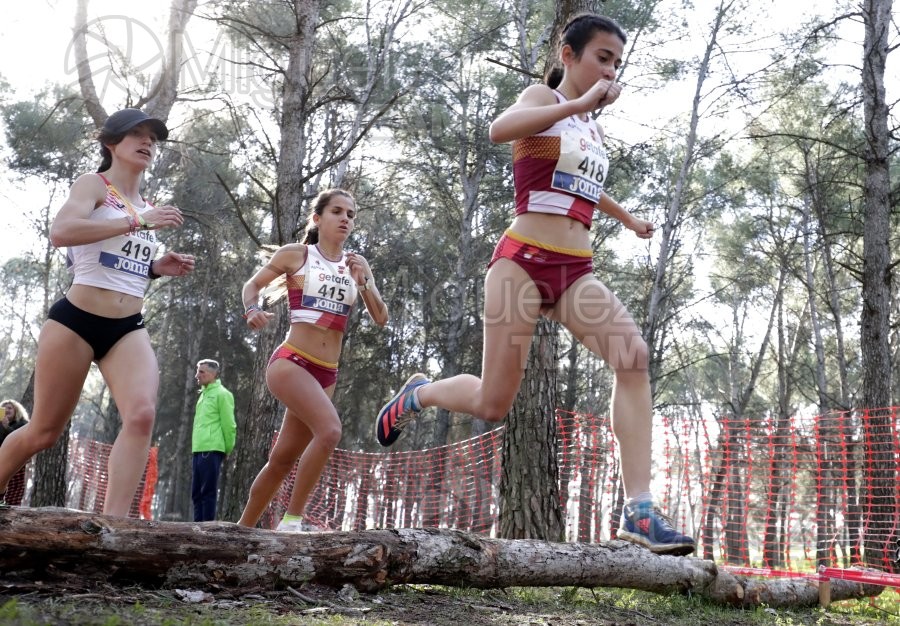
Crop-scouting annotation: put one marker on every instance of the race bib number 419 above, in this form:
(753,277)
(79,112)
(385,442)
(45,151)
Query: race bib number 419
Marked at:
(581,169)
(131,255)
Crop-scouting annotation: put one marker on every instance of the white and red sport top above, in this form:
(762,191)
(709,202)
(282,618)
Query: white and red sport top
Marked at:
(120,263)
(321,292)
(561,170)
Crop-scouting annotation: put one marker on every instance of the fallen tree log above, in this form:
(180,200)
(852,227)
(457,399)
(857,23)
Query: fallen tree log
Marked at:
(37,543)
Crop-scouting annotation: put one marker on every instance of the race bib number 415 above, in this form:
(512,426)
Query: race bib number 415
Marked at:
(329,290)
(581,169)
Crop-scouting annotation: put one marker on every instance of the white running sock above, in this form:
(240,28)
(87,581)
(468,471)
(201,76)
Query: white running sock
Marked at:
(644,496)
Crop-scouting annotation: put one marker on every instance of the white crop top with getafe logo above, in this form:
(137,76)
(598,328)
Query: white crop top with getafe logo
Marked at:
(120,263)
(321,292)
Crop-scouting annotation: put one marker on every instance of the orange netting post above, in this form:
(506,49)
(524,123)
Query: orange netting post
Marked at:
(151,474)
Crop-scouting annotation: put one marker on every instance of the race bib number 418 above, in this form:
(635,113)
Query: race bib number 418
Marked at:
(582,166)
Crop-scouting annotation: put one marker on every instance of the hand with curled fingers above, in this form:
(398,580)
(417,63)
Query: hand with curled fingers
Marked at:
(257,319)
(163,217)
(641,228)
(173,264)
(611,94)
(602,93)
(359,268)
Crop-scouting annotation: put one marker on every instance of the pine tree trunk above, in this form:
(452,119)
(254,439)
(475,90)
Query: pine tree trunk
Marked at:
(529,492)
(779,472)
(736,510)
(255,430)
(587,469)
(826,491)
(855,535)
(882,474)
(50,473)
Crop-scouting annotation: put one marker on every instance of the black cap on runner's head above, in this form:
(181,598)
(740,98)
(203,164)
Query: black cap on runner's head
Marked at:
(126,119)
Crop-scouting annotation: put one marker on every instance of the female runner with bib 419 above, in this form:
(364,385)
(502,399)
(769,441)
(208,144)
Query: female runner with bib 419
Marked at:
(110,231)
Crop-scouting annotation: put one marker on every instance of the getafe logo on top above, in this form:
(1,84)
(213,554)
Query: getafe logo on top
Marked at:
(332,278)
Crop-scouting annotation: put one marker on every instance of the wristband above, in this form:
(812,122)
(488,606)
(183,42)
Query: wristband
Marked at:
(133,225)
(250,309)
(144,224)
(151,274)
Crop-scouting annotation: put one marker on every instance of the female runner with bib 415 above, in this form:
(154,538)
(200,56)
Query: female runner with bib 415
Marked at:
(543,266)
(323,282)
(110,232)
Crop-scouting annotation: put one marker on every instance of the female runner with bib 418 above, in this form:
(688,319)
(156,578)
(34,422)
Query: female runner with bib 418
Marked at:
(543,266)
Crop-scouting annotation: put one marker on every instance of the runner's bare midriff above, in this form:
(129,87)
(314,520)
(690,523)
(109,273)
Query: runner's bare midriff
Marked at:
(555,230)
(322,343)
(104,302)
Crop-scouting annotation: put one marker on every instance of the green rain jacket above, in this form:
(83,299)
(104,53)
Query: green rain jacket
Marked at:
(214,425)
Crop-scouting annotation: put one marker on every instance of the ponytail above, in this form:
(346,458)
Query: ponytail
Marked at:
(554,76)
(106,159)
(106,139)
(312,233)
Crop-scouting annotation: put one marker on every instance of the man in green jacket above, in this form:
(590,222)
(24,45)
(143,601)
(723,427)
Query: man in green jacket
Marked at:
(212,439)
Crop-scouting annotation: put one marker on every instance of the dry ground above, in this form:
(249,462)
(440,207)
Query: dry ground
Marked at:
(72,602)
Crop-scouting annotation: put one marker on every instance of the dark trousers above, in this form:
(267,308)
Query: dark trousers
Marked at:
(205,483)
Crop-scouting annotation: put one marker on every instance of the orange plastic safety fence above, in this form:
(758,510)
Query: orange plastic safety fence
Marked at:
(783,493)
(780,493)
(87,479)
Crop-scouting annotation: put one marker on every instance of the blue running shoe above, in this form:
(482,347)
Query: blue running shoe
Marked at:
(400,411)
(646,525)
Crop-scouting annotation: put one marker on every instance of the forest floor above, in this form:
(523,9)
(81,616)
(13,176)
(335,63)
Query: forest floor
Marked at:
(76,602)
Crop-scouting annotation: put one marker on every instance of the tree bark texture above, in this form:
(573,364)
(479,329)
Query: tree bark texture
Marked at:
(290,204)
(50,472)
(40,542)
(529,484)
(876,289)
